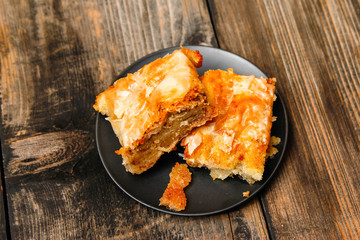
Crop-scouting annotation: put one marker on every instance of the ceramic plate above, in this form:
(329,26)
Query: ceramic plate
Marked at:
(204,195)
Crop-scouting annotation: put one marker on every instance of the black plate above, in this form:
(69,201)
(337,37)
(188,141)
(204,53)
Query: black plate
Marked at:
(205,196)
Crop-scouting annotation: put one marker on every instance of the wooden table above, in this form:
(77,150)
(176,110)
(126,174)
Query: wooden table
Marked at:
(57,55)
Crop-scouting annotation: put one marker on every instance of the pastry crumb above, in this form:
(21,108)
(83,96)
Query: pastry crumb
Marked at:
(174,196)
(271,151)
(246,194)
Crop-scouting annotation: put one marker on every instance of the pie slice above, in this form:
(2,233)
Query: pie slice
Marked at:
(152,109)
(235,142)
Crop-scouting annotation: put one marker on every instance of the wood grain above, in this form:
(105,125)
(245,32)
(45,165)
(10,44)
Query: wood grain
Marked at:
(55,57)
(312,48)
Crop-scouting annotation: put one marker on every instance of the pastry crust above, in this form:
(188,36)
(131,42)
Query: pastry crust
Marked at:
(235,142)
(152,109)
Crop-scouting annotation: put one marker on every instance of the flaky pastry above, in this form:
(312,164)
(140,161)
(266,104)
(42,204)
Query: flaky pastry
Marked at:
(235,142)
(152,109)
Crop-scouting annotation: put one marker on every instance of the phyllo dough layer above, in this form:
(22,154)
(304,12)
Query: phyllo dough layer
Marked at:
(235,142)
(153,108)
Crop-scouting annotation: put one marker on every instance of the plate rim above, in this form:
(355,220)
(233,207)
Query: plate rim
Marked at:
(241,202)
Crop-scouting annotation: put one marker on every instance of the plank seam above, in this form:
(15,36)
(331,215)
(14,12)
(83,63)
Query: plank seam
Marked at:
(266,219)
(3,185)
(212,21)
(2,171)
(231,227)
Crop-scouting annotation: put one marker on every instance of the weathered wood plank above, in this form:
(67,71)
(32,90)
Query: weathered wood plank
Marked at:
(312,48)
(248,221)
(55,57)
(80,201)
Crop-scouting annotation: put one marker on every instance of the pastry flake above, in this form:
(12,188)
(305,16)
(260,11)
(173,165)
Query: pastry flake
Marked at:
(174,196)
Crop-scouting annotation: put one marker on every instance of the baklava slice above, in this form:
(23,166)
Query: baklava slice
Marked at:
(235,142)
(152,109)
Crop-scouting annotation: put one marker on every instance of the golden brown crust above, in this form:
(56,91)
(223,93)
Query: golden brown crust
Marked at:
(195,57)
(174,196)
(139,105)
(235,142)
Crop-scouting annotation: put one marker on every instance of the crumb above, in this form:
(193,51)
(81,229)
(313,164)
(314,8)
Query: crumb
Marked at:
(246,194)
(271,151)
(174,196)
(275,140)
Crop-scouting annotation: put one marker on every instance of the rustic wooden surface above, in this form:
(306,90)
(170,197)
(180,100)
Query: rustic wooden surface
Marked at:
(313,49)
(56,55)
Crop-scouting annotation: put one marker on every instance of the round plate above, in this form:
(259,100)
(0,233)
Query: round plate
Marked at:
(204,195)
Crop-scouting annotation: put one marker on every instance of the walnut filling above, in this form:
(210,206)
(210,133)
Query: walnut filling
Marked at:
(178,125)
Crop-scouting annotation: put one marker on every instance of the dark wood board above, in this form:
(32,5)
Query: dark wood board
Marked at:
(313,50)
